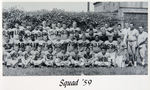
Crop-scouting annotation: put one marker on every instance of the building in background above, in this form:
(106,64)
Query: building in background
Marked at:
(137,12)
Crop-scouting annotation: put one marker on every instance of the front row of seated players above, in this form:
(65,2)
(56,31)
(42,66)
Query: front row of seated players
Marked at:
(110,54)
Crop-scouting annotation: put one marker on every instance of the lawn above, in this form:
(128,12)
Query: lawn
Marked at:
(45,71)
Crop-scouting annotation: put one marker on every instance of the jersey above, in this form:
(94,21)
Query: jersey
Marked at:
(88,56)
(76,56)
(64,34)
(102,57)
(52,34)
(72,30)
(111,46)
(142,37)
(132,35)
(82,44)
(103,37)
(123,33)
(14,55)
(96,45)
(50,56)
(63,56)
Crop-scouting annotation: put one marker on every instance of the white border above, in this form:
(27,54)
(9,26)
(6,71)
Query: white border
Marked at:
(102,82)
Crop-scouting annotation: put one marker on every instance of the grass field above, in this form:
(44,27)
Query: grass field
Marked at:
(45,71)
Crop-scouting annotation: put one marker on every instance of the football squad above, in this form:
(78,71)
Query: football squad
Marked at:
(60,46)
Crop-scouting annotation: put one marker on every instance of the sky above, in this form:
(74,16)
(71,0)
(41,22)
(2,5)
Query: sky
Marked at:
(33,6)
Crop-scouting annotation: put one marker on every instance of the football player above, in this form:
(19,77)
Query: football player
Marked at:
(132,37)
(27,56)
(121,52)
(64,34)
(62,58)
(88,57)
(103,35)
(76,59)
(82,44)
(12,60)
(96,44)
(111,45)
(141,44)
(38,59)
(102,58)
(50,57)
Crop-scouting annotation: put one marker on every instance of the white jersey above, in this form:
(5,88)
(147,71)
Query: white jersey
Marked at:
(96,45)
(72,30)
(123,33)
(102,57)
(142,37)
(27,32)
(132,35)
(111,45)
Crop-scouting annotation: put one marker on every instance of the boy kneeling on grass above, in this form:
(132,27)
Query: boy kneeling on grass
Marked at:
(37,59)
(88,58)
(49,59)
(27,57)
(76,58)
(13,59)
(62,58)
(102,58)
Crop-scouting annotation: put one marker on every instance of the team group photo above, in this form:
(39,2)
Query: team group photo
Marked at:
(102,40)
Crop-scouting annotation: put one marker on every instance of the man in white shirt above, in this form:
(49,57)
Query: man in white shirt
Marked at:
(132,37)
(141,44)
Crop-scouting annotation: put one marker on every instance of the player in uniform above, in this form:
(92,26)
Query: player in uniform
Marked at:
(132,37)
(64,33)
(70,45)
(76,35)
(90,35)
(103,35)
(122,32)
(38,59)
(96,44)
(45,27)
(111,44)
(7,49)
(62,58)
(88,57)
(76,59)
(141,44)
(53,32)
(73,28)
(49,57)
(121,52)
(102,58)
(82,44)
(12,60)
(57,46)
(58,31)
(27,56)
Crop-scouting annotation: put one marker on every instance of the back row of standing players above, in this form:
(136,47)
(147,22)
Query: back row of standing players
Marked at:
(62,46)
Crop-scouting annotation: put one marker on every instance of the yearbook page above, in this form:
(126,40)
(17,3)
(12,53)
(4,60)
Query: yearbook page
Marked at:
(77,44)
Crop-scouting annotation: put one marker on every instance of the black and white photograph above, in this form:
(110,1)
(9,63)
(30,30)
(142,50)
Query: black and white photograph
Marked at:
(74,38)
